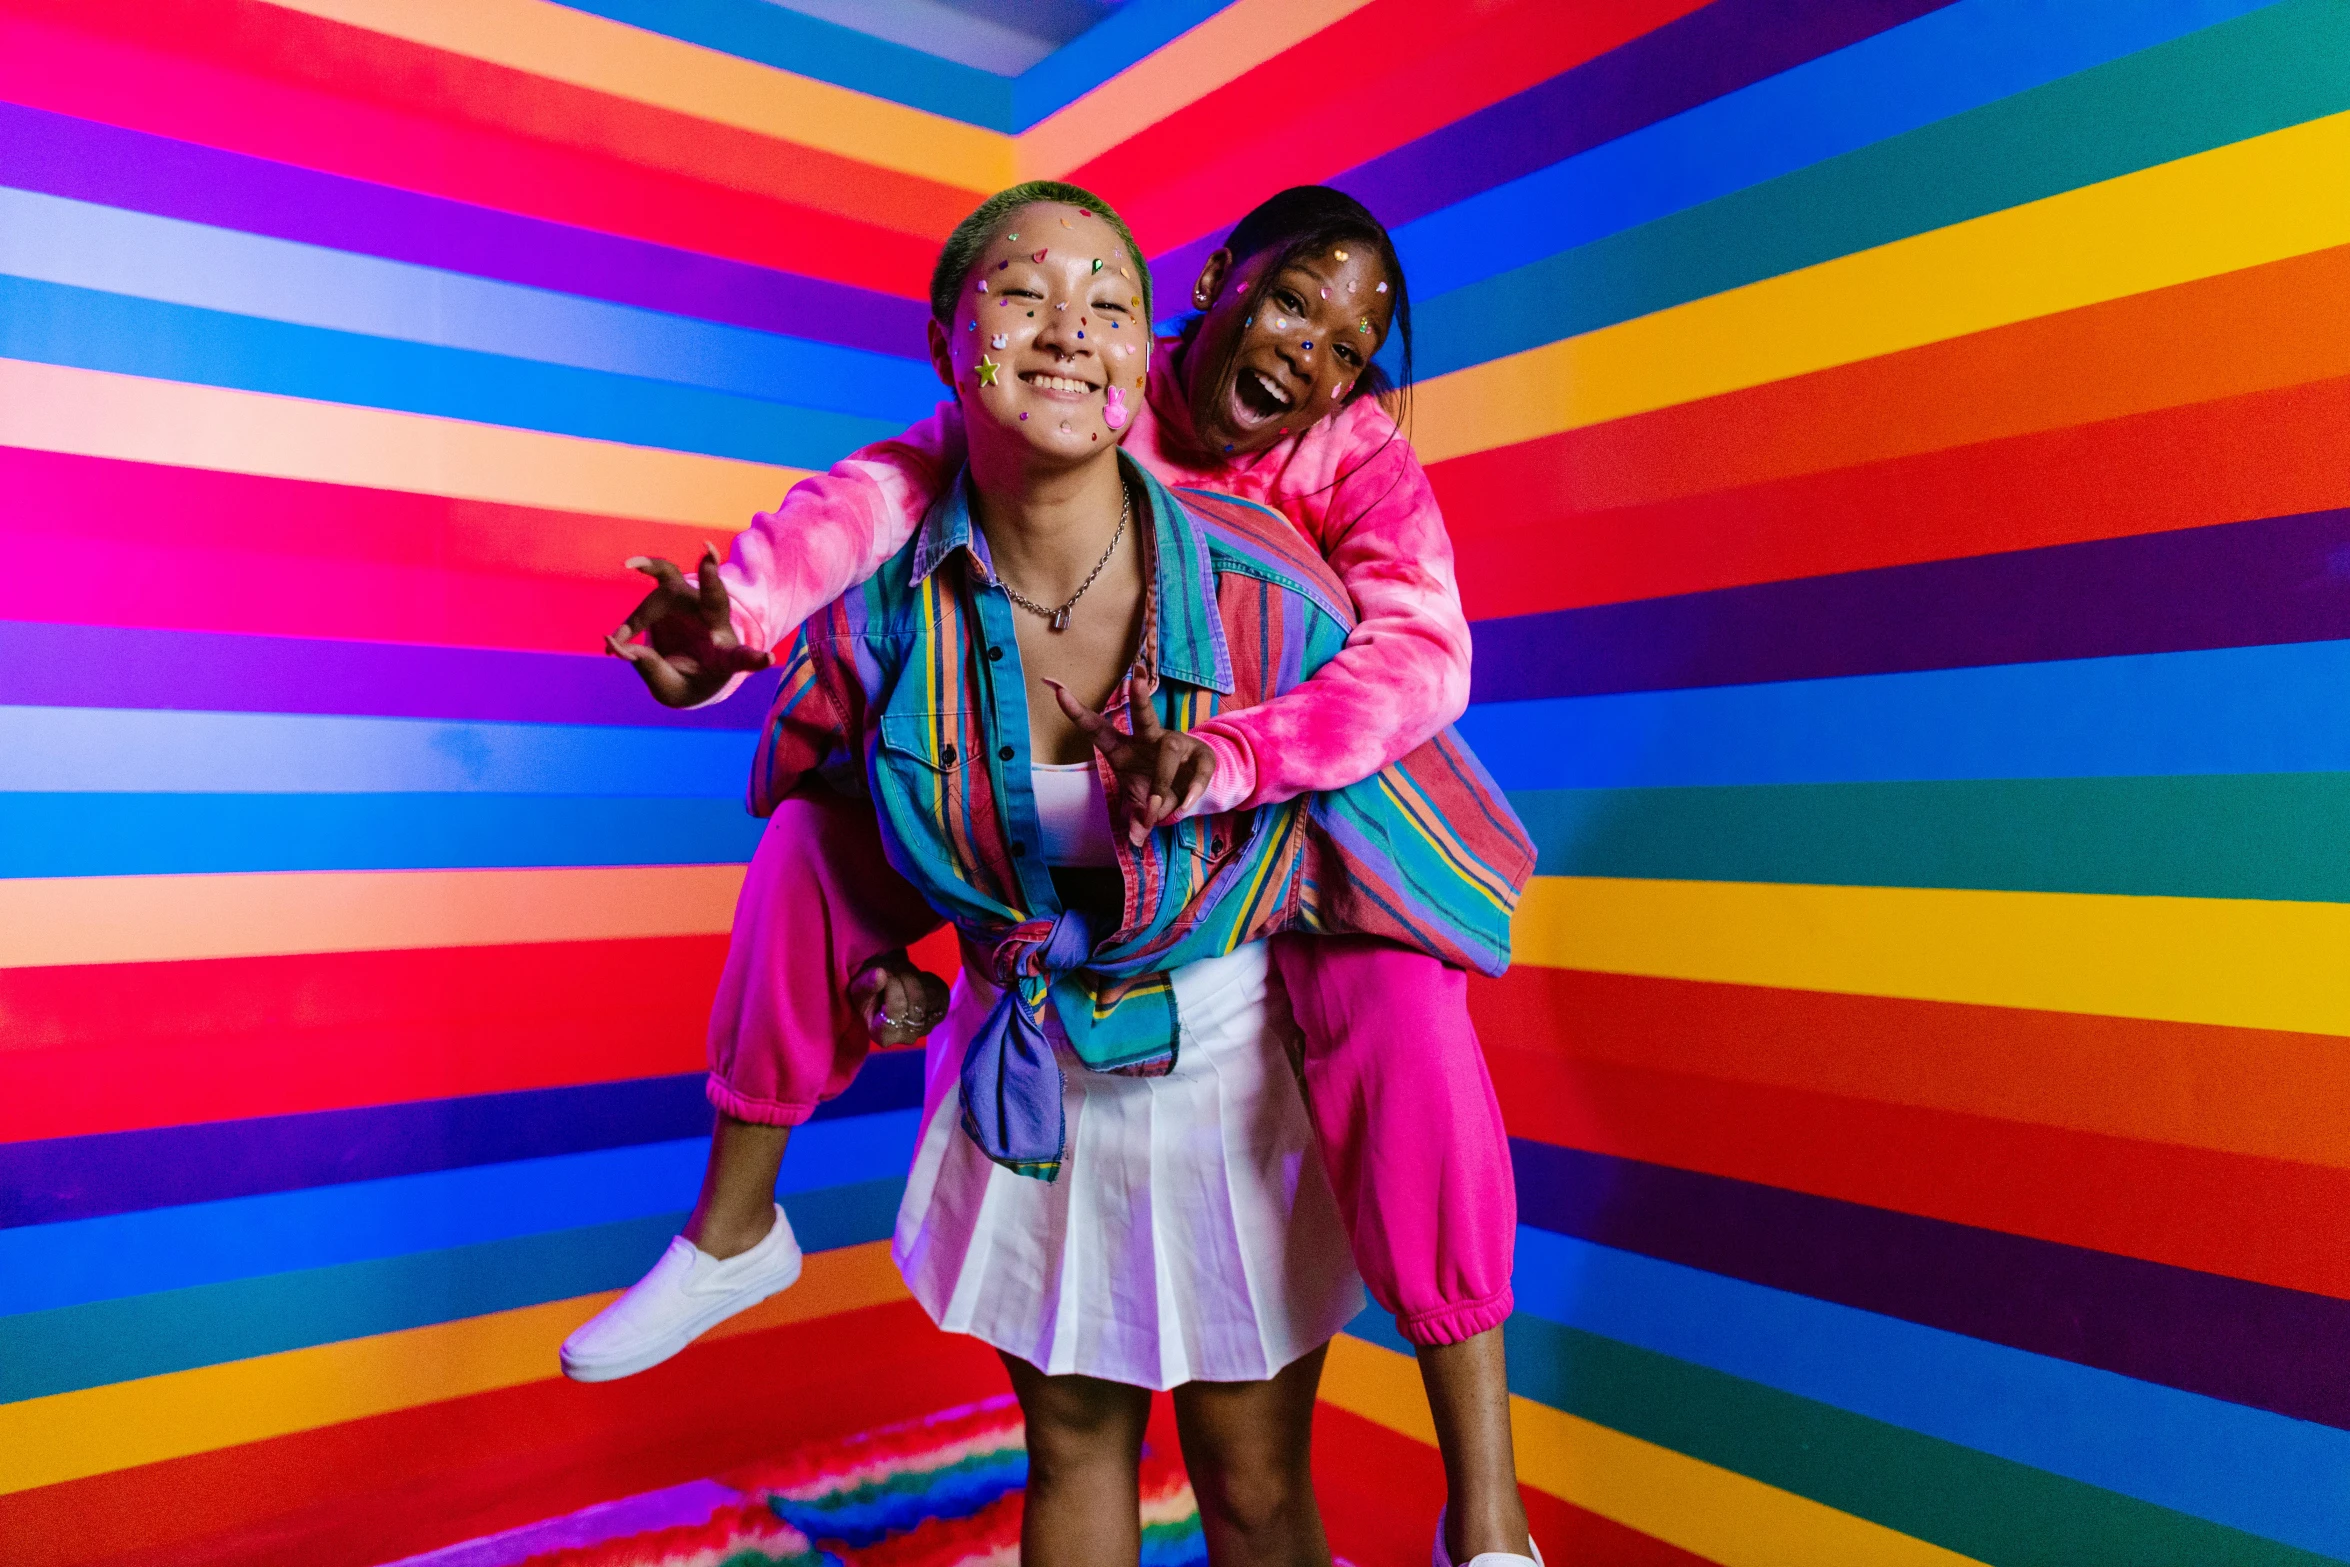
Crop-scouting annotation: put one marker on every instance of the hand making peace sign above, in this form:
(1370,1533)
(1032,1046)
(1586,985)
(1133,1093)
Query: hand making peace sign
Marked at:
(1162,772)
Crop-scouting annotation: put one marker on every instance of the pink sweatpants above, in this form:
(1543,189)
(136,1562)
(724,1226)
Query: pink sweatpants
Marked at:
(1394,1077)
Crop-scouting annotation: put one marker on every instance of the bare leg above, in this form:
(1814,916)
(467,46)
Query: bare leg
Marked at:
(1084,1506)
(737,1205)
(1249,1447)
(1469,1394)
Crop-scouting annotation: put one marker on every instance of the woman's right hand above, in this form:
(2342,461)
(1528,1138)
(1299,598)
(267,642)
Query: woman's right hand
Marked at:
(899,1002)
(691,650)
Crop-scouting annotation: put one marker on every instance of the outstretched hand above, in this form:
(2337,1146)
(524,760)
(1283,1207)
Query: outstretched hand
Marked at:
(899,1002)
(690,649)
(1161,772)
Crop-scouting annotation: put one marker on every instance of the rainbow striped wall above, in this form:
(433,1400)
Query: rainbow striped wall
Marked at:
(1896,450)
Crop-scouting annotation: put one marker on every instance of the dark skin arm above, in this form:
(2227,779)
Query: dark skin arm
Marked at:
(690,650)
(1161,772)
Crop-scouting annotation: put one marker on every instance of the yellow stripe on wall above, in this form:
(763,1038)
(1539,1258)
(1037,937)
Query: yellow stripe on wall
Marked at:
(52,920)
(2249,963)
(586,50)
(2261,200)
(99,413)
(67,1436)
(1225,47)
(1700,1507)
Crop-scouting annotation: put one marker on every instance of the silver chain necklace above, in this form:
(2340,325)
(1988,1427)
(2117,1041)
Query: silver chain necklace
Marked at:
(1059,618)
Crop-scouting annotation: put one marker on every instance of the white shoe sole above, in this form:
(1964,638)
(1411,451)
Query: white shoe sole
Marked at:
(612,1369)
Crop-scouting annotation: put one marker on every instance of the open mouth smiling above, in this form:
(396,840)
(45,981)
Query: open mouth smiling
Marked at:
(1260,397)
(1045,381)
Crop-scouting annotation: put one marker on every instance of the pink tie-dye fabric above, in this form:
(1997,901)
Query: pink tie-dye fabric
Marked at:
(1351,484)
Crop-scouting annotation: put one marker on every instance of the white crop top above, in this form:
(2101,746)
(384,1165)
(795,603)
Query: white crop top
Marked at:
(1074,814)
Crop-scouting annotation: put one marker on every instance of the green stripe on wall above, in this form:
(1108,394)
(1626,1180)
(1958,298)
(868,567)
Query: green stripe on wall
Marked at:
(2261,835)
(2261,73)
(1997,1511)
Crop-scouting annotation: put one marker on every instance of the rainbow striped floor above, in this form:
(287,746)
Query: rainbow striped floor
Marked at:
(941,1491)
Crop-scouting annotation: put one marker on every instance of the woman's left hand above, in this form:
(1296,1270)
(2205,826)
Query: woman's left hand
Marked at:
(1162,772)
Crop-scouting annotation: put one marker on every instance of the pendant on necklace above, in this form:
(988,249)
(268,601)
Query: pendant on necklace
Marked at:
(1061,618)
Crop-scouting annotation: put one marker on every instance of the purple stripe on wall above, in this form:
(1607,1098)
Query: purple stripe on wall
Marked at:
(47,1180)
(55,665)
(1715,49)
(87,161)
(2249,1343)
(2237,584)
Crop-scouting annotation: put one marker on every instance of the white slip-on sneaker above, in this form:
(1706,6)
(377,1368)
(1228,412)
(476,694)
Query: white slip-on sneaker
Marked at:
(688,1293)
(1443,1558)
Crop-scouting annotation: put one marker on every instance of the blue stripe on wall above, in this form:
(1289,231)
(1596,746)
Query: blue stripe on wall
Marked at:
(163,260)
(2259,1472)
(2282,709)
(90,1345)
(76,750)
(52,324)
(183,834)
(46,1266)
(47,1180)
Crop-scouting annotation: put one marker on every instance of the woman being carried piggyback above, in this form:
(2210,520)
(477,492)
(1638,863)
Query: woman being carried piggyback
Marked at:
(1270,394)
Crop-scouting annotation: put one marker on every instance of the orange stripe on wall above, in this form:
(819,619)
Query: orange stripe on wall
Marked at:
(2189,1207)
(2263,327)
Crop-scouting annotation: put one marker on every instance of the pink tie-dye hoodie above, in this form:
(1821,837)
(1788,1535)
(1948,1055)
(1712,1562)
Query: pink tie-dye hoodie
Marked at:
(1352,484)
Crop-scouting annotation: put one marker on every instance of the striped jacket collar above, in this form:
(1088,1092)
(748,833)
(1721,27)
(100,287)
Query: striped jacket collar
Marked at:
(1187,629)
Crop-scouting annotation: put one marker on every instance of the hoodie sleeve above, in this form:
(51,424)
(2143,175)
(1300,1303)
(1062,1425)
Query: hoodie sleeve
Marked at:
(1404,672)
(835,529)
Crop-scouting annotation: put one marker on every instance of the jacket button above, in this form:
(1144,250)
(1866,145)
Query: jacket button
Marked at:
(1007,753)
(946,754)
(1018,848)
(995,655)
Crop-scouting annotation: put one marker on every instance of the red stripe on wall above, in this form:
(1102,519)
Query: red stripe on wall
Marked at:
(2219,1213)
(362,66)
(2191,405)
(1386,75)
(393,1485)
(2263,1092)
(371,565)
(117,1047)
(200,100)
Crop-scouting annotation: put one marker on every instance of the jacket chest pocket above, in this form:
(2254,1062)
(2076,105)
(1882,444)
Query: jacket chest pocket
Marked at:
(924,758)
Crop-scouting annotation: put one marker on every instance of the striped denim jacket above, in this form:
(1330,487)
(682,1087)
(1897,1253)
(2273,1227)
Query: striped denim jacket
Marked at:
(909,689)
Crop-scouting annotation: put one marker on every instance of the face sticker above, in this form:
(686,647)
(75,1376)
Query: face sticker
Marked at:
(987,370)
(1040,255)
(1340,254)
(1381,289)
(1097,263)
(983,285)
(998,341)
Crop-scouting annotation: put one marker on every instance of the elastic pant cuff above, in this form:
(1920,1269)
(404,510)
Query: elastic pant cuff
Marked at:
(763,1112)
(1461,1320)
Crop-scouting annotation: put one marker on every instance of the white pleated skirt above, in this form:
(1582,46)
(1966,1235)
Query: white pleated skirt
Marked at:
(1191,1234)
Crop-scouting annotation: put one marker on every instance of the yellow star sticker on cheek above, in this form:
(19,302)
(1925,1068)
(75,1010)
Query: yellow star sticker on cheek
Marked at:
(987,370)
